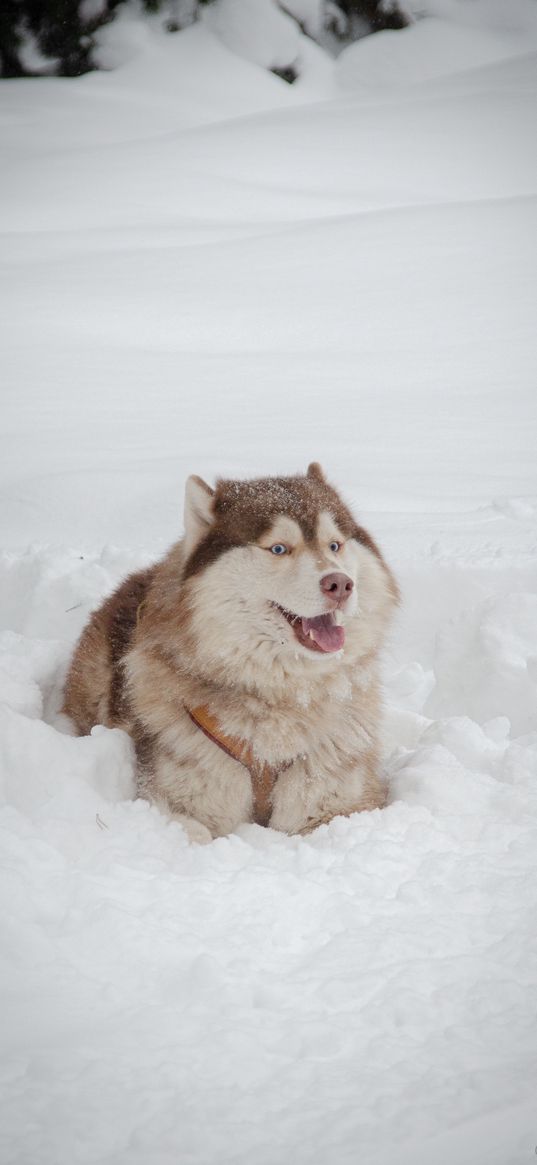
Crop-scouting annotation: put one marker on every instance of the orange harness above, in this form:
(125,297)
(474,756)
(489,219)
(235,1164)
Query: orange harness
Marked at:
(264,776)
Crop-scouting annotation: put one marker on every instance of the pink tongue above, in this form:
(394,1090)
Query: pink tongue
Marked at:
(327,634)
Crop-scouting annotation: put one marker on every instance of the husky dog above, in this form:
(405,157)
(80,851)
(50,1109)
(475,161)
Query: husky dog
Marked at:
(244,665)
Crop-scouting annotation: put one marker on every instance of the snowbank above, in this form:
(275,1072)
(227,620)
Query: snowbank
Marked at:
(449,38)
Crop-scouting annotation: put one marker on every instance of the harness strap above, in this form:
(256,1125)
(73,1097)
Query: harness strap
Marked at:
(264,775)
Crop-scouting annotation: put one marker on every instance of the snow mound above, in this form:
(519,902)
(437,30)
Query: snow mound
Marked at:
(486,663)
(455,38)
(257,30)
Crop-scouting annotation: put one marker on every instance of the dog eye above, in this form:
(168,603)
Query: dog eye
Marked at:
(335,546)
(278,549)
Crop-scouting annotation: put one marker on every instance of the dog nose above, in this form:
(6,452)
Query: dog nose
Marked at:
(336,585)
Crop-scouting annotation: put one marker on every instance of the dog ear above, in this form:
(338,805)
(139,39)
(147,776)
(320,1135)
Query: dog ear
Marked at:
(316,471)
(198,513)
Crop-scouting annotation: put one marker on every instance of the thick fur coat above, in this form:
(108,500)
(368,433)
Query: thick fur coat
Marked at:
(268,617)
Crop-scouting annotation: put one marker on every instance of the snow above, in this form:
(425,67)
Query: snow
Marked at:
(206,270)
(455,40)
(257,30)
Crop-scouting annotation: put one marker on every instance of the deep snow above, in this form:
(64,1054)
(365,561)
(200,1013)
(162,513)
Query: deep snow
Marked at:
(205,270)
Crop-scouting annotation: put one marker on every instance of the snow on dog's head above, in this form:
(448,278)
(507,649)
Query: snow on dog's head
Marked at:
(278,570)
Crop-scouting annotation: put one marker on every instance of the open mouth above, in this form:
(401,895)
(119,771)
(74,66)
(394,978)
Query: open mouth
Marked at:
(321,633)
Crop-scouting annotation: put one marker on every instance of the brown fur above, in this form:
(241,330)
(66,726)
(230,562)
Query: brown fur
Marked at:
(187,633)
(95,687)
(245,510)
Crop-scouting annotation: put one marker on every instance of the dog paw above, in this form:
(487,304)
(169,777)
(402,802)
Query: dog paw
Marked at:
(195,831)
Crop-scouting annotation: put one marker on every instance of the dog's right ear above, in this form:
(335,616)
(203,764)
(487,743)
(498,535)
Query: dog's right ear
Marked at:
(199,515)
(316,471)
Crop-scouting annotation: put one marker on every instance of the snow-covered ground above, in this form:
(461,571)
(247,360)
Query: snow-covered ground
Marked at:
(206,270)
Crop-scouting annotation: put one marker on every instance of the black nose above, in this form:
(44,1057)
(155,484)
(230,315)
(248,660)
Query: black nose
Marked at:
(336,585)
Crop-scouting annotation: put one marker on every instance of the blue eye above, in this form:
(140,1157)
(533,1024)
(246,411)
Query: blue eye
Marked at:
(335,546)
(278,549)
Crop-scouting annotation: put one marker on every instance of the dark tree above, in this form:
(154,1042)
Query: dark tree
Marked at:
(61,35)
(11,16)
(377,13)
(67,40)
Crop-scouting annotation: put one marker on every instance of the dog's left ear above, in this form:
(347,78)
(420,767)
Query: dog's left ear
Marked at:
(198,514)
(316,471)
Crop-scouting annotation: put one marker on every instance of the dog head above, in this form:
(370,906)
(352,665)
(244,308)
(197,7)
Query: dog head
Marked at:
(278,569)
